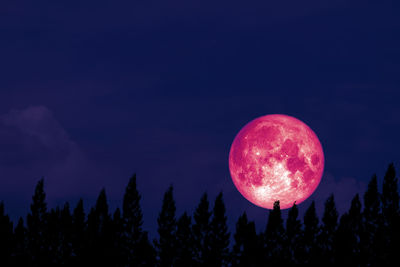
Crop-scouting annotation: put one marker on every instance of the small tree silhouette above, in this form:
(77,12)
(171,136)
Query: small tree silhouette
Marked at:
(166,244)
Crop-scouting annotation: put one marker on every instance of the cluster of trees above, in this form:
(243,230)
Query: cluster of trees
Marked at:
(366,235)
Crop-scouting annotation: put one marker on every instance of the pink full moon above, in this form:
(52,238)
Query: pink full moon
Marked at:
(276,157)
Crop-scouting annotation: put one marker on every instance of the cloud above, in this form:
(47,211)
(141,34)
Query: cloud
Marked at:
(33,144)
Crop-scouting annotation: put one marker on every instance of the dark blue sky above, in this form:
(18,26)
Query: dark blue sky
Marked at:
(93,91)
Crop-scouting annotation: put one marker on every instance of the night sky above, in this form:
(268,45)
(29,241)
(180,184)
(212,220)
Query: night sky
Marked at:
(94,91)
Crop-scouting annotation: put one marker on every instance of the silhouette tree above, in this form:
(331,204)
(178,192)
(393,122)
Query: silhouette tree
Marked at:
(309,239)
(245,250)
(53,237)
(326,236)
(65,235)
(391,215)
(36,228)
(293,236)
(20,246)
(219,235)
(6,237)
(117,247)
(363,237)
(274,237)
(78,234)
(390,196)
(137,249)
(184,242)
(201,231)
(166,244)
(347,240)
(371,235)
(99,233)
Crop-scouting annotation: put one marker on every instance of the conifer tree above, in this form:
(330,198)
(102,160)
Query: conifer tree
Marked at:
(346,243)
(328,229)
(6,237)
(309,240)
(201,231)
(78,233)
(274,236)
(166,244)
(99,232)
(66,235)
(391,214)
(390,196)
(293,236)
(117,246)
(136,252)
(219,235)
(184,242)
(371,235)
(20,248)
(245,250)
(53,236)
(36,227)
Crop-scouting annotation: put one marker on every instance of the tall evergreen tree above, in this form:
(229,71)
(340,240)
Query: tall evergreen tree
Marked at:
(184,242)
(166,244)
(347,239)
(326,236)
(201,230)
(6,237)
(117,245)
(390,196)
(138,251)
(99,233)
(274,237)
(391,214)
(36,227)
(309,240)
(20,249)
(219,235)
(66,251)
(293,236)
(245,250)
(78,234)
(371,235)
(53,237)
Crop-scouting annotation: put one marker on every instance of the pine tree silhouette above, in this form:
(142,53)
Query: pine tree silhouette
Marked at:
(78,234)
(309,239)
(166,244)
(117,246)
(6,237)
(219,235)
(391,215)
(65,240)
(274,237)
(366,236)
(20,246)
(293,236)
(36,228)
(347,239)
(371,235)
(201,231)
(245,251)
(326,236)
(137,249)
(99,233)
(53,237)
(184,242)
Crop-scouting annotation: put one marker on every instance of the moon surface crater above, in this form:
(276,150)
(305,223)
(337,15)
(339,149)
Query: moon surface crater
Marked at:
(276,157)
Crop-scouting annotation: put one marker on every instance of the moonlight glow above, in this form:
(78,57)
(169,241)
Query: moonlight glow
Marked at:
(276,157)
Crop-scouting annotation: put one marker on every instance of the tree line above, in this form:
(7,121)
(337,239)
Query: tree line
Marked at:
(366,235)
